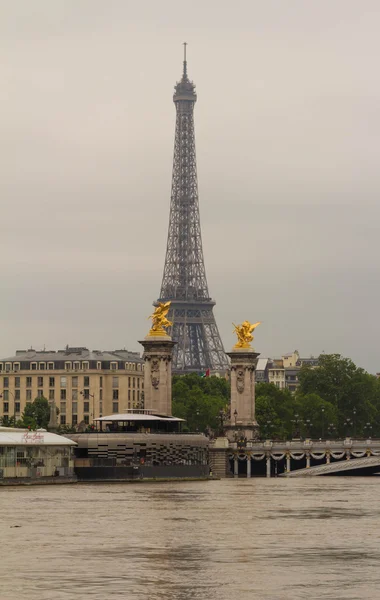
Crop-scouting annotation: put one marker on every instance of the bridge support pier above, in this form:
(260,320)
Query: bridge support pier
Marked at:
(288,463)
(308,460)
(268,466)
(236,466)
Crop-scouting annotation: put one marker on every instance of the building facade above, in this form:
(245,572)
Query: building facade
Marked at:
(283,372)
(84,384)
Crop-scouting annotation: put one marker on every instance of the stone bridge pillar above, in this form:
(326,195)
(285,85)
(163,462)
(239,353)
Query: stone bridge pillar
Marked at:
(242,422)
(158,373)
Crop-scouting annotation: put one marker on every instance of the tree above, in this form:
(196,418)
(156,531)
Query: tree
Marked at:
(199,400)
(354,394)
(315,414)
(36,414)
(274,411)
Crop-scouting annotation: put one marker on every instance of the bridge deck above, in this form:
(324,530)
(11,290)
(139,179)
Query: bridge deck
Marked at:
(368,465)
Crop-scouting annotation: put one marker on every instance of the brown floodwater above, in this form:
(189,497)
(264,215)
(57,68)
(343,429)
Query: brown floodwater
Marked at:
(224,540)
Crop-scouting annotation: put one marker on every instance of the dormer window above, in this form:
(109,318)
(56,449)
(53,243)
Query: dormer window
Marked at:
(113,366)
(16,367)
(42,366)
(84,366)
(51,366)
(67,366)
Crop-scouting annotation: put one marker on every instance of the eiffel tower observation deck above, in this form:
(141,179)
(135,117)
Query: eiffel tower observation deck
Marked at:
(199,346)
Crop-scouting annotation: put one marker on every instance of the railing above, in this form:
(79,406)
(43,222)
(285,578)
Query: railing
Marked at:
(306,444)
(143,432)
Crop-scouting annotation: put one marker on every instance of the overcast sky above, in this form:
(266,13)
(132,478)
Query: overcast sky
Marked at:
(287,133)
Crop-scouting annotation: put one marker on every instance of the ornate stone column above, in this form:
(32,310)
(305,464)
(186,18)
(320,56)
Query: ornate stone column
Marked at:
(268,466)
(236,466)
(242,420)
(249,464)
(288,463)
(158,373)
(308,460)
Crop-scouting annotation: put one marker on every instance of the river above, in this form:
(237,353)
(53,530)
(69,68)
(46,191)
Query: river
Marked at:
(234,539)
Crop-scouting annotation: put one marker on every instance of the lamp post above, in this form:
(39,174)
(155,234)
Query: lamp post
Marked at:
(269,426)
(93,402)
(347,425)
(323,422)
(197,428)
(296,421)
(354,420)
(309,425)
(221,417)
(368,429)
(331,428)
(235,415)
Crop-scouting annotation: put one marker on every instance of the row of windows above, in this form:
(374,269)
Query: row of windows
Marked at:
(69,366)
(74,382)
(63,395)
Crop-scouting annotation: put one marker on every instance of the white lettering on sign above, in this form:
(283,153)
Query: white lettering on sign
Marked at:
(32,437)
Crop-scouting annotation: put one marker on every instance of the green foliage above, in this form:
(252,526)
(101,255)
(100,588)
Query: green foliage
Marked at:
(36,414)
(199,400)
(274,411)
(350,393)
(11,422)
(328,395)
(62,429)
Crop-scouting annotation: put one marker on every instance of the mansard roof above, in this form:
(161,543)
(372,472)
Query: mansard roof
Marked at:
(73,354)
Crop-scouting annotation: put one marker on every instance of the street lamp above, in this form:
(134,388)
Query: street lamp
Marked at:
(331,428)
(347,424)
(197,413)
(93,403)
(323,422)
(368,428)
(296,421)
(235,415)
(308,424)
(270,426)
(221,417)
(354,421)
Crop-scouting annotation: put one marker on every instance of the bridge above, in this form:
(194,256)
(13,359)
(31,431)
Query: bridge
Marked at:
(358,466)
(293,458)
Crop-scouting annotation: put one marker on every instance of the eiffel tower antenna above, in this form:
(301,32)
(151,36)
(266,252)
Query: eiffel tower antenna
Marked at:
(184,60)
(199,346)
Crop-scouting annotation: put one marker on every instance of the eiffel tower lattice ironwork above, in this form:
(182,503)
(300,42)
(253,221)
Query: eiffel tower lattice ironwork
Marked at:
(199,346)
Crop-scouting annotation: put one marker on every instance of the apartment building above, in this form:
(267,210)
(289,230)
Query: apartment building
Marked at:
(85,384)
(283,372)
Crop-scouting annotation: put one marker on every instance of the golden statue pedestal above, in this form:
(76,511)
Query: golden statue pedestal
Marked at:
(242,422)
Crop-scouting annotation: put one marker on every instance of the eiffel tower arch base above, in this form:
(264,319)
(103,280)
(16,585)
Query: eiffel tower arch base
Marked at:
(199,346)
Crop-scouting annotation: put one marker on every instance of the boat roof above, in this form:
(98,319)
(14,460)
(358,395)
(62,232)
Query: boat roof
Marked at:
(12,436)
(134,416)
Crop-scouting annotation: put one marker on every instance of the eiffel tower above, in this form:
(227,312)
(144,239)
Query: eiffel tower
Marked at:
(199,346)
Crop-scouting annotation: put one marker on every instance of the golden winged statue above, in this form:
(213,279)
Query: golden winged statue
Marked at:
(159,320)
(244,334)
